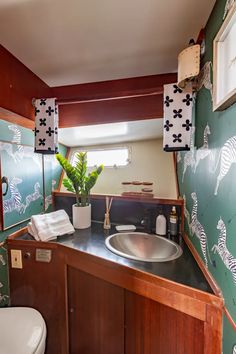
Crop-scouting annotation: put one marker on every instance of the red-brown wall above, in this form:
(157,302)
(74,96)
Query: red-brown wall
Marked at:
(18,85)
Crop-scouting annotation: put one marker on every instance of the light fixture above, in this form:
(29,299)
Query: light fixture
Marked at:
(188,64)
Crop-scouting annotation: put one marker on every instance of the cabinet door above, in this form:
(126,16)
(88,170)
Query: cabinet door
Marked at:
(152,328)
(96,315)
(41,285)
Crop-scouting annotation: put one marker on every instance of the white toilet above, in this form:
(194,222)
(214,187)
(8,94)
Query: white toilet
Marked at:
(22,331)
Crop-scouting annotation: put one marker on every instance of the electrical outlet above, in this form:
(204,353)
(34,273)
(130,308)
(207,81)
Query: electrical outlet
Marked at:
(16,259)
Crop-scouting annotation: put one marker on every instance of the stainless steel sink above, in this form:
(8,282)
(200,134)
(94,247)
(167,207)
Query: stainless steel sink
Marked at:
(143,247)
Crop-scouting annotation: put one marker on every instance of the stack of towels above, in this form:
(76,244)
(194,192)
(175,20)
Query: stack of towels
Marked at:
(46,227)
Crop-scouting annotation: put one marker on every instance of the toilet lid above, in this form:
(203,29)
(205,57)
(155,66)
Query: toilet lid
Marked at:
(21,330)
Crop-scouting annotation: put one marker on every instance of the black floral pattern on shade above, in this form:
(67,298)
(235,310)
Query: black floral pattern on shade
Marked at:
(42,122)
(36,111)
(42,142)
(56,111)
(168,125)
(55,130)
(50,110)
(187,125)
(177,114)
(177,138)
(168,100)
(177,89)
(187,100)
(42,101)
(50,131)
(36,131)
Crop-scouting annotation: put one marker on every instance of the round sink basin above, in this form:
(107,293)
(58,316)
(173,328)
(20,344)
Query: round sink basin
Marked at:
(143,247)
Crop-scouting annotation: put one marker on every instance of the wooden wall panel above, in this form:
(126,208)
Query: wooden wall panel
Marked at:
(19,85)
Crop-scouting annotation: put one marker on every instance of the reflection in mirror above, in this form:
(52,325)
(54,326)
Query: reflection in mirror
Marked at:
(130,151)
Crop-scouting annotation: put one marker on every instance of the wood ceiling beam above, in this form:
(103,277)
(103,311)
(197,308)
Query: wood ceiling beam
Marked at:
(112,101)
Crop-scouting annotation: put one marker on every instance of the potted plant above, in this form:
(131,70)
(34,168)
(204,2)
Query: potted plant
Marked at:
(80,183)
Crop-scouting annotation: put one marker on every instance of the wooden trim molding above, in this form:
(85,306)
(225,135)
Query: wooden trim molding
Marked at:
(17,233)
(216,289)
(229,317)
(154,200)
(16,119)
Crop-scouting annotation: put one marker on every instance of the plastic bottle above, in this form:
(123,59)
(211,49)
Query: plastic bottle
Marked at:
(161,224)
(173,222)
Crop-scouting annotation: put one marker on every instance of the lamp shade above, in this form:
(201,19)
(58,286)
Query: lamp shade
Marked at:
(46,126)
(188,64)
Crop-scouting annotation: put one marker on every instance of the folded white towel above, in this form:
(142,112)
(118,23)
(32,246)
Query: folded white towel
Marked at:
(48,226)
(32,231)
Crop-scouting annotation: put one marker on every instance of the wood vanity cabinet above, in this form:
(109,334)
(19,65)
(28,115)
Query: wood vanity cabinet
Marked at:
(41,285)
(94,306)
(153,328)
(96,315)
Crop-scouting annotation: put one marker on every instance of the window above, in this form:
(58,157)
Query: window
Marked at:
(117,157)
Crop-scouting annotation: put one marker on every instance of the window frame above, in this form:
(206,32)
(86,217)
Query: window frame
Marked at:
(88,149)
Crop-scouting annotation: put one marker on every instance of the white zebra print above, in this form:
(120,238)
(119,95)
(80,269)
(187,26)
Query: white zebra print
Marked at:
(14,202)
(221,248)
(31,198)
(228,5)
(17,134)
(2,260)
(198,230)
(22,151)
(179,158)
(189,155)
(2,297)
(186,212)
(48,199)
(204,150)
(8,147)
(227,157)
(234,349)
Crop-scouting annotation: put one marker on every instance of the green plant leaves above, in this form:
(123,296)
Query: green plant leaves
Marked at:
(78,182)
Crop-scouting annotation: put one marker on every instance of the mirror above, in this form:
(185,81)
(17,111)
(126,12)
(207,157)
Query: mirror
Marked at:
(131,152)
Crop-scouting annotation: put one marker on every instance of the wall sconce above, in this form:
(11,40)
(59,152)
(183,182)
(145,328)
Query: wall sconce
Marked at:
(188,64)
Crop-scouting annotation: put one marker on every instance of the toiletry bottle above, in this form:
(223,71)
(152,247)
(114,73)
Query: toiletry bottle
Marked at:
(161,224)
(173,222)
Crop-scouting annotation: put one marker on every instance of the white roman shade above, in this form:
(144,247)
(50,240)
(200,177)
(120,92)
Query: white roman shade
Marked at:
(177,117)
(46,126)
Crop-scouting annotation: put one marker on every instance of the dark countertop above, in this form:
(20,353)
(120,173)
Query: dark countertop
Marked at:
(183,270)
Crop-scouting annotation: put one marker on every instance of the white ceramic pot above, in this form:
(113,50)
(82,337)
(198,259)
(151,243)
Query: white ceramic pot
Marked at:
(81,216)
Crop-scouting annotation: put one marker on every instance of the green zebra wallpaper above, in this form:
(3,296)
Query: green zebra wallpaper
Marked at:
(24,170)
(207,176)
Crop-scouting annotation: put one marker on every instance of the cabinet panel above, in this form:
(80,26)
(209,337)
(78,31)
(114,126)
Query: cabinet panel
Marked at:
(152,328)
(96,315)
(41,285)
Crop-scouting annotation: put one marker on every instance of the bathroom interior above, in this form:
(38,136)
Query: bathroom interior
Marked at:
(117,162)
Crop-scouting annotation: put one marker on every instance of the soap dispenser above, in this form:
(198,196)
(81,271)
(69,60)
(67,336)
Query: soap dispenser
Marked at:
(161,224)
